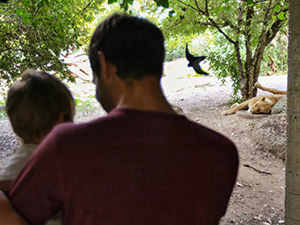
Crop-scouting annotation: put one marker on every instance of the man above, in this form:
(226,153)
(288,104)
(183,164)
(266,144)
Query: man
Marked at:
(140,164)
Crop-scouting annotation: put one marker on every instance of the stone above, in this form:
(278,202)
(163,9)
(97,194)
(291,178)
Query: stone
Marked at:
(280,108)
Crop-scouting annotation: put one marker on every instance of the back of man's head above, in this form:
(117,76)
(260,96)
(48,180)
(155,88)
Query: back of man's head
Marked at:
(134,45)
(35,103)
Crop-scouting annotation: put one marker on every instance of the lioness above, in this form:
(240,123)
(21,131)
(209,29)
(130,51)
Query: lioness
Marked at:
(259,104)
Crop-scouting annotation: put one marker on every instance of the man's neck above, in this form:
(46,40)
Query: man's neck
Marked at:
(145,94)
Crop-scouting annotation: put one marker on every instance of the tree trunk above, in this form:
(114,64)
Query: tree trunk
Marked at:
(243,75)
(292,198)
(251,77)
(253,63)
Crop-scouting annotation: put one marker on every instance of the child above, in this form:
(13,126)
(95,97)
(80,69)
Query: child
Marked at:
(35,104)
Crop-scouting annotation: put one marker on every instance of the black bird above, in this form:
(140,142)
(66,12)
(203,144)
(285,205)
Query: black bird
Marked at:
(195,61)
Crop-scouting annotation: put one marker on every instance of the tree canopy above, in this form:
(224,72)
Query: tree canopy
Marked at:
(246,26)
(33,33)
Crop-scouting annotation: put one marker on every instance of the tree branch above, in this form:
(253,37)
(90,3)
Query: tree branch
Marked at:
(232,26)
(174,25)
(221,31)
(87,6)
(9,33)
(276,26)
(199,9)
(190,6)
(212,21)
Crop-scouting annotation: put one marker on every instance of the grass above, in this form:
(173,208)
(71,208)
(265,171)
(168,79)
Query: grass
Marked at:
(234,99)
(2,110)
(204,85)
(84,107)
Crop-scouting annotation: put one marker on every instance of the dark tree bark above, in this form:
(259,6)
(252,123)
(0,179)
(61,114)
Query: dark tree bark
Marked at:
(292,196)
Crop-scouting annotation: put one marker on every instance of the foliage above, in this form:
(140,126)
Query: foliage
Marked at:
(223,62)
(34,33)
(235,99)
(84,107)
(247,27)
(222,58)
(175,45)
(2,110)
(125,4)
(276,54)
(2,113)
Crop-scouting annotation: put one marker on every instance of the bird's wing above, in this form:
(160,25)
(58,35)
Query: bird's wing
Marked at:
(188,55)
(199,59)
(194,61)
(198,69)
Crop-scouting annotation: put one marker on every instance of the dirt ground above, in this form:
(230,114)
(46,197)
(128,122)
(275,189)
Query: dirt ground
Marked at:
(258,196)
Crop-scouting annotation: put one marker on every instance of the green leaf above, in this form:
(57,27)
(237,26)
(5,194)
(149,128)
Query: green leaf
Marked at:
(111,1)
(26,3)
(277,8)
(129,1)
(171,13)
(163,3)
(219,10)
(250,2)
(20,12)
(281,16)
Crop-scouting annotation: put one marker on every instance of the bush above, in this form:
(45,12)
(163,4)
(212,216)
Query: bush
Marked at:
(175,46)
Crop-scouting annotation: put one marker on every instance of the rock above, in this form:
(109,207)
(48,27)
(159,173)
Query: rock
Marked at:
(280,107)
(270,135)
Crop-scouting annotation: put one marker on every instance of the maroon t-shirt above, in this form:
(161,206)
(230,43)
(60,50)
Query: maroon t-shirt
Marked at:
(129,168)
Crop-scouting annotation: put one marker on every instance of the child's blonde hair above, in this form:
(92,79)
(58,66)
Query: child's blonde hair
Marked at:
(35,103)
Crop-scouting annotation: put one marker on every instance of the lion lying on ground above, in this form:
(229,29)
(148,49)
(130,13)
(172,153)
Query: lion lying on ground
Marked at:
(259,104)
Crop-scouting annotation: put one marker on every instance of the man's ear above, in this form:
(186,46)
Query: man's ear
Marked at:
(107,69)
(103,64)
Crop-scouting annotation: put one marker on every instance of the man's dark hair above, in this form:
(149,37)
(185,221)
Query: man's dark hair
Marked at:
(35,102)
(134,45)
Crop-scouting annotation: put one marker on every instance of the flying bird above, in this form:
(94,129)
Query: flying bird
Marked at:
(195,61)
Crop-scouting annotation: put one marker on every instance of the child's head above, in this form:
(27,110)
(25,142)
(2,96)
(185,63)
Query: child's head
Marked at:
(37,102)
